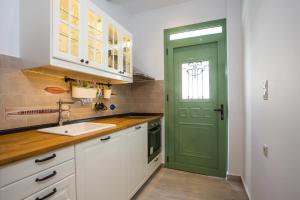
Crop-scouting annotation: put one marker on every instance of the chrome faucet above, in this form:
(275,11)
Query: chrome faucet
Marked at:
(61,119)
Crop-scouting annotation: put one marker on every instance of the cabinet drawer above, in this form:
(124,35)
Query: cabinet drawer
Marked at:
(62,190)
(154,164)
(19,170)
(138,127)
(37,182)
(100,140)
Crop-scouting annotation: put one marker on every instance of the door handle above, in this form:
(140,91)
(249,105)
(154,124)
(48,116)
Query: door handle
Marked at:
(221,110)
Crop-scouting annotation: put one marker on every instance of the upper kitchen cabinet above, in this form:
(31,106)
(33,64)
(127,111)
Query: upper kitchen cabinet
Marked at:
(127,54)
(96,45)
(67,38)
(113,47)
(119,50)
(74,38)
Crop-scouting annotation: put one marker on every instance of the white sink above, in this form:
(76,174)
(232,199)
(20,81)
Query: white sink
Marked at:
(76,129)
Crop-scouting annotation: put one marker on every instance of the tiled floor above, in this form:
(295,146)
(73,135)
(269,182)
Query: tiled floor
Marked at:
(170,184)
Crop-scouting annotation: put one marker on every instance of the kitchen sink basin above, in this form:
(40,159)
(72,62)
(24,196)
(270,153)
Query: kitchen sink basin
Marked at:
(77,129)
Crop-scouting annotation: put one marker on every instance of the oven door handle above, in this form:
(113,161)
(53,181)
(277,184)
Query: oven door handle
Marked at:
(154,131)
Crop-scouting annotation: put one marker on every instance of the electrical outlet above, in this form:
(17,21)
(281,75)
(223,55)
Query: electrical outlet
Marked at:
(266,150)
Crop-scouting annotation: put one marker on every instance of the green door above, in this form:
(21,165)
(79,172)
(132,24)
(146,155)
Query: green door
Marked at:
(196,105)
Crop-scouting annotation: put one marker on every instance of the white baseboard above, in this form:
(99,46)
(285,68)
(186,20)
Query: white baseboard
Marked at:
(246,188)
(234,177)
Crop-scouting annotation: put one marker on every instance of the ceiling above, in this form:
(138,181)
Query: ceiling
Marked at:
(138,6)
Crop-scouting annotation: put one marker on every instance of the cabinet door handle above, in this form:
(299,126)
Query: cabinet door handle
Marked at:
(138,127)
(48,195)
(45,159)
(104,139)
(82,60)
(46,177)
(87,62)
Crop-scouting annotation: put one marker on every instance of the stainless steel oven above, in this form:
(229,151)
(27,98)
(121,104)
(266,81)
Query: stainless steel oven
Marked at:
(154,139)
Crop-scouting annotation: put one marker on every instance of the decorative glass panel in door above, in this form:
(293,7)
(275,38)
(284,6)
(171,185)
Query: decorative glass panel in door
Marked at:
(113,47)
(127,54)
(95,38)
(195,80)
(66,30)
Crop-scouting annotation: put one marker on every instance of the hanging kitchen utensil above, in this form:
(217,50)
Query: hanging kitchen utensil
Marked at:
(112,107)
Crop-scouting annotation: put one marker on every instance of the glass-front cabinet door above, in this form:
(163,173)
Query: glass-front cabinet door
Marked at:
(95,37)
(113,47)
(127,55)
(67,30)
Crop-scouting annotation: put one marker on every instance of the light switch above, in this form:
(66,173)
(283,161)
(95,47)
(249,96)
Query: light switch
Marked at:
(266,150)
(266,90)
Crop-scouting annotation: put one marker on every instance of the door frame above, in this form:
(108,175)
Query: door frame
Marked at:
(169,47)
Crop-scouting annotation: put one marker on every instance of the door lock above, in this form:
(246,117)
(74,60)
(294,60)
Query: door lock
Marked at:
(221,110)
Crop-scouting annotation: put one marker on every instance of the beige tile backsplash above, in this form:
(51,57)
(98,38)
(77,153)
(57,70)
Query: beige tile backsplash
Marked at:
(148,97)
(19,90)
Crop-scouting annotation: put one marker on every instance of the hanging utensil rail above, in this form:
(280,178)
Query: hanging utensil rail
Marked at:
(68,79)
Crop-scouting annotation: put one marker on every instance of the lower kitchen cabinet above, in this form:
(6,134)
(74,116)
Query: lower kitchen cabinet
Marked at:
(137,158)
(100,167)
(47,176)
(62,190)
(112,167)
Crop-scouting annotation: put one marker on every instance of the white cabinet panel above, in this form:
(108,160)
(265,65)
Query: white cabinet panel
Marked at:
(153,165)
(114,167)
(99,168)
(137,159)
(37,182)
(16,171)
(62,190)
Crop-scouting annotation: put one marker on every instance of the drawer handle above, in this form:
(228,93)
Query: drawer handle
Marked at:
(48,195)
(104,139)
(45,159)
(138,127)
(46,177)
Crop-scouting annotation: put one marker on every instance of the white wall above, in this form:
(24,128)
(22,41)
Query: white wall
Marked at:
(9,27)
(247,86)
(148,27)
(272,31)
(236,119)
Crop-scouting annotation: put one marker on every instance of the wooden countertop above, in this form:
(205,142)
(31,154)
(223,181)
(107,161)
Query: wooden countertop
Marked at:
(18,146)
